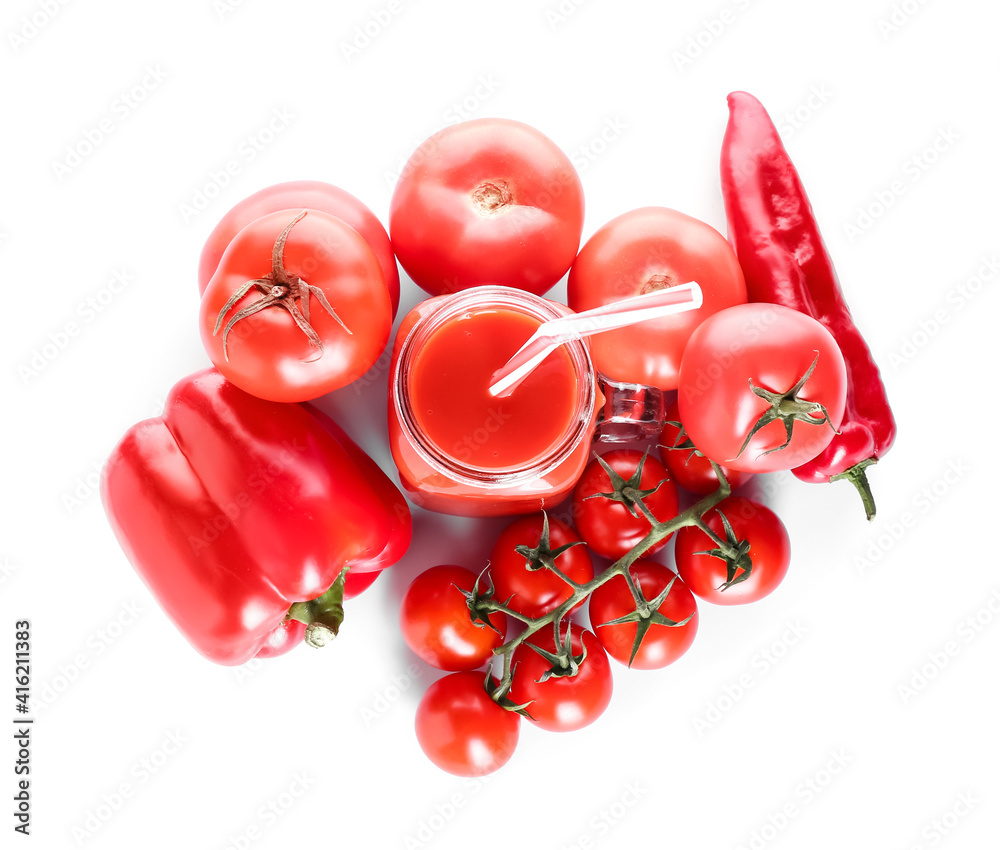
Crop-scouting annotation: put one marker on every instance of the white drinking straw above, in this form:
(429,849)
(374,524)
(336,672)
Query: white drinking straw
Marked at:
(629,311)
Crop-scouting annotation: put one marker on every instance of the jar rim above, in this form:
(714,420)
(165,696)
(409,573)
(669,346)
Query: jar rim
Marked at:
(484,297)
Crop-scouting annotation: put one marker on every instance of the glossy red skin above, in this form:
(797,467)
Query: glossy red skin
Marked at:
(269,356)
(443,240)
(618,261)
(284,638)
(357,583)
(772,346)
(536,592)
(297,195)
(607,526)
(781,250)
(692,472)
(435,621)
(462,730)
(770,553)
(566,703)
(661,645)
(231,508)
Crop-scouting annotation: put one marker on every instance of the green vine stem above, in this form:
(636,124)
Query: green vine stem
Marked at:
(484,604)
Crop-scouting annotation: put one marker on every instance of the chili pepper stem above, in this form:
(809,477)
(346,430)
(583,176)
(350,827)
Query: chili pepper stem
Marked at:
(322,615)
(857,476)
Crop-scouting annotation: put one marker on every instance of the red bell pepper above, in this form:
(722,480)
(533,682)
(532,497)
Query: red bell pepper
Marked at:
(242,516)
(784,261)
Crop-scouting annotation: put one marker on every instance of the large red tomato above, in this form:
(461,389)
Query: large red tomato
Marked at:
(642,251)
(298,195)
(489,201)
(763,387)
(691,470)
(297,307)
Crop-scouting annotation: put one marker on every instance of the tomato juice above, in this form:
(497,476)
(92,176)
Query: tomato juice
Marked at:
(459,449)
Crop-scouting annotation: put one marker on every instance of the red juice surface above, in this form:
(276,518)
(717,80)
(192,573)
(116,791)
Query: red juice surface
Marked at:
(449,392)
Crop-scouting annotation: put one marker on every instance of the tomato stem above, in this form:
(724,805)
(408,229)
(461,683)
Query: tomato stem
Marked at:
(645,612)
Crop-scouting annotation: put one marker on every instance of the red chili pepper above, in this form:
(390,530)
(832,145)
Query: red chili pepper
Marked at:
(784,261)
(240,515)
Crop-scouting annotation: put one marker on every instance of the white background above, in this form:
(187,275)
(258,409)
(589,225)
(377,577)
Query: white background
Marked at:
(874,603)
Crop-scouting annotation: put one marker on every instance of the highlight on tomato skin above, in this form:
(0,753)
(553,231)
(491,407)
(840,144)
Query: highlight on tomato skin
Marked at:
(462,730)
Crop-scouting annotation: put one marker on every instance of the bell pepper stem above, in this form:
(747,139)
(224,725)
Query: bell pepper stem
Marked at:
(322,615)
(856,475)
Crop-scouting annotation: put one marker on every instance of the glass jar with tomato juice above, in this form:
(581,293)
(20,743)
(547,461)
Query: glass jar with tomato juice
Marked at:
(460,450)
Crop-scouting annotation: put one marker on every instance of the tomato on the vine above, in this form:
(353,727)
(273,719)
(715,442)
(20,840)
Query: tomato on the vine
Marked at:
(518,558)
(298,195)
(462,730)
(756,538)
(488,201)
(691,470)
(667,627)
(574,696)
(762,387)
(613,523)
(642,251)
(436,623)
(297,307)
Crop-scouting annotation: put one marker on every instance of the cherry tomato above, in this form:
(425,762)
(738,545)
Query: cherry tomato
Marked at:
(691,471)
(562,703)
(295,348)
(744,365)
(298,195)
(611,527)
(437,625)
(489,201)
(661,644)
(763,538)
(520,577)
(642,251)
(462,730)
